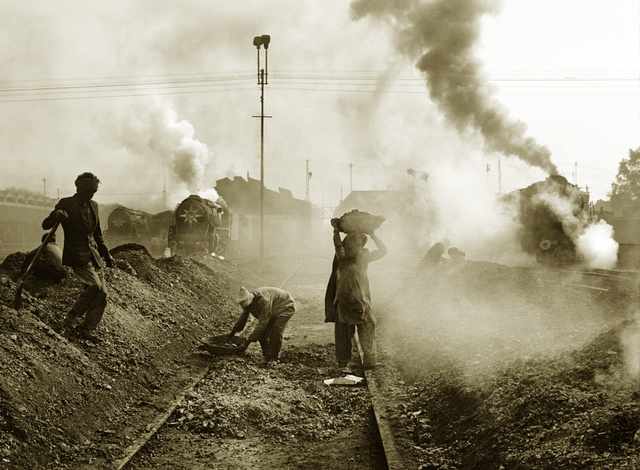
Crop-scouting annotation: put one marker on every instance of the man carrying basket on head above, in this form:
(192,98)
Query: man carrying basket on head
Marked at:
(352,298)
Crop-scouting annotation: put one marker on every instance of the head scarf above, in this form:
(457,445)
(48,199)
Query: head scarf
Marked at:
(244,297)
(87,181)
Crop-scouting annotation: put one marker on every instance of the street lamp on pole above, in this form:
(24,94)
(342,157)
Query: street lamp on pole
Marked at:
(263,75)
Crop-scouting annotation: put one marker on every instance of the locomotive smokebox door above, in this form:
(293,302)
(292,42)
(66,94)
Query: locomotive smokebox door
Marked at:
(545,244)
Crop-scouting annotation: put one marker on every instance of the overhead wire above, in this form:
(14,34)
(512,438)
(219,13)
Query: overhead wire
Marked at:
(611,83)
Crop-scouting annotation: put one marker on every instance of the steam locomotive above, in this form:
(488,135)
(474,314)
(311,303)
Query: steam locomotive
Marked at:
(200,225)
(125,225)
(549,212)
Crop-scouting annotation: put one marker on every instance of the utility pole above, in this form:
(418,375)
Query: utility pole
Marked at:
(263,78)
(164,194)
(488,169)
(308,175)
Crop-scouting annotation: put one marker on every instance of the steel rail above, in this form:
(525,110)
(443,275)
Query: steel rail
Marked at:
(131,451)
(392,457)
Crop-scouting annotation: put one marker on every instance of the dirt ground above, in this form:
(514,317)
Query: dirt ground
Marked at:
(510,368)
(484,367)
(69,403)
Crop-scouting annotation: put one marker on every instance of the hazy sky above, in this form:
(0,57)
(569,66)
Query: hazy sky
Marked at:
(155,94)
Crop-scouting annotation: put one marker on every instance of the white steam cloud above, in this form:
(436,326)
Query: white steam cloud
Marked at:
(174,141)
(153,132)
(210,194)
(630,341)
(593,241)
(597,246)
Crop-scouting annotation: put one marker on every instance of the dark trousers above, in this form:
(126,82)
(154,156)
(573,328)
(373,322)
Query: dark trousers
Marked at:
(273,335)
(93,299)
(344,335)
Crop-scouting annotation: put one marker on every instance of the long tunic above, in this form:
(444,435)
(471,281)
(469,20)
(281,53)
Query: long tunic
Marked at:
(353,296)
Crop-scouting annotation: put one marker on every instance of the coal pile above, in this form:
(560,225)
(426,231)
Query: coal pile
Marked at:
(505,370)
(358,221)
(63,400)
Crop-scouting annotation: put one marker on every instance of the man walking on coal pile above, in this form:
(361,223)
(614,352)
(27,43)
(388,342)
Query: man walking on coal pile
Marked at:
(84,250)
(49,265)
(352,299)
(272,308)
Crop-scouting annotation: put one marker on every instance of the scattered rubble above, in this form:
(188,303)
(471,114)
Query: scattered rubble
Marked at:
(507,371)
(486,366)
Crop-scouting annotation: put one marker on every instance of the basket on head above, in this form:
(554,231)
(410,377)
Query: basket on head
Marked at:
(359,221)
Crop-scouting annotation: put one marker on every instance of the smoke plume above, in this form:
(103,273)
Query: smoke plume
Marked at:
(153,130)
(597,246)
(593,241)
(442,35)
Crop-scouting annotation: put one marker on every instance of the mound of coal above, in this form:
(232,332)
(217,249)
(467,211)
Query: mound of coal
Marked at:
(13,262)
(359,221)
(60,396)
(508,368)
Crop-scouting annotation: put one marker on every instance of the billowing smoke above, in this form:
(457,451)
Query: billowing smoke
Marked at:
(630,341)
(442,35)
(565,205)
(152,131)
(210,194)
(597,246)
(593,241)
(174,141)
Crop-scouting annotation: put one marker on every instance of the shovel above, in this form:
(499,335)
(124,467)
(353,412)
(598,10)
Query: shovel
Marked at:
(17,298)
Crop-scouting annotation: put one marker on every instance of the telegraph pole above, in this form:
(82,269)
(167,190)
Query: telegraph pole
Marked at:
(488,167)
(351,177)
(258,41)
(308,175)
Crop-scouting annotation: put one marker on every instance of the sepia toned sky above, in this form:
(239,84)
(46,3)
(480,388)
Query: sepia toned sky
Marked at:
(157,96)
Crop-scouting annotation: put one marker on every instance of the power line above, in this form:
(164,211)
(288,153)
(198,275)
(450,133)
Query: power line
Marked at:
(330,81)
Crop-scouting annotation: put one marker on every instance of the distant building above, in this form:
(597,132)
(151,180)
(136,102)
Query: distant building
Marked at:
(409,213)
(21,215)
(385,203)
(289,223)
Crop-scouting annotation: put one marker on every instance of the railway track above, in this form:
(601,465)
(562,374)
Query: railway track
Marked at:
(601,280)
(376,380)
(391,458)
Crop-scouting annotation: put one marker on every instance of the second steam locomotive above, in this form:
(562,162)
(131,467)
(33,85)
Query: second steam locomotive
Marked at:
(550,213)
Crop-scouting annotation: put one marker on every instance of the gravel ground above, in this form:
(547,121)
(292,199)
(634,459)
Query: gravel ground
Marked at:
(485,367)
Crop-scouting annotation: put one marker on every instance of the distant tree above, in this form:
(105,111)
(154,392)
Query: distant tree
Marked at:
(626,189)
